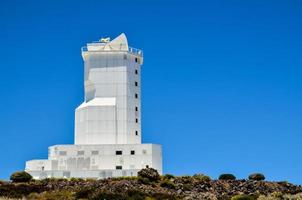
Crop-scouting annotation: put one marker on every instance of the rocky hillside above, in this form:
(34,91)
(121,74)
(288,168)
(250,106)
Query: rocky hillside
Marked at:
(148,186)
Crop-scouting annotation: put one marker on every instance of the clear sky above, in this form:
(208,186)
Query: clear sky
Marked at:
(221,81)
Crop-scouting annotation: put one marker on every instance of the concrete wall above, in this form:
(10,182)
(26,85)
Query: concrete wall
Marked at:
(104,156)
(98,158)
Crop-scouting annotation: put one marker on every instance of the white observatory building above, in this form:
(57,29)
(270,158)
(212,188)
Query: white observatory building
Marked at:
(108,122)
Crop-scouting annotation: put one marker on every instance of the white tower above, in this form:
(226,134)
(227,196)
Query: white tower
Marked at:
(110,113)
(108,122)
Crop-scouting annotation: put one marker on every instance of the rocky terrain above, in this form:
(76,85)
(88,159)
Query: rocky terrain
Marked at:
(146,187)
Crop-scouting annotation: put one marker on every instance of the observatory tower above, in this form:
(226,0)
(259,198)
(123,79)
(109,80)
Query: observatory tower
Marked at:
(108,122)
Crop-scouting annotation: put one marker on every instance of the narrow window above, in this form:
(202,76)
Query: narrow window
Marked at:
(136,132)
(136,95)
(136,108)
(136,71)
(136,83)
(118,153)
(43,168)
(80,153)
(125,57)
(132,152)
(136,60)
(118,167)
(136,120)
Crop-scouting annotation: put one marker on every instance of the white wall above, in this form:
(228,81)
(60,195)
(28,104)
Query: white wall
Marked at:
(110,75)
(77,158)
(145,154)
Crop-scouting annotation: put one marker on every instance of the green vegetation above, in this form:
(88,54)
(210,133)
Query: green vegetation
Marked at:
(227,177)
(243,197)
(52,195)
(83,192)
(148,185)
(20,176)
(280,196)
(168,176)
(144,180)
(149,173)
(186,179)
(202,177)
(167,184)
(257,177)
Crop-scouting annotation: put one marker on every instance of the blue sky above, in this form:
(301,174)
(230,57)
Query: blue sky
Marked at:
(222,86)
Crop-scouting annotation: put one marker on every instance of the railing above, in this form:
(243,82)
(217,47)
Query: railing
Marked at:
(130,50)
(84,49)
(135,51)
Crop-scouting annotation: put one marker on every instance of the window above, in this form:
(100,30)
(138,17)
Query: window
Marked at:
(136,59)
(118,167)
(109,174)
(136,83)
(144,151)
(66,174)
(136,132)
(80,153)
(136,95)
(62,153)
(125,57)
(136,120)
(136,71)
(136,108)
(119,153)
(94,152)
(43,168)
(132,152)
(102,174)
(147,166)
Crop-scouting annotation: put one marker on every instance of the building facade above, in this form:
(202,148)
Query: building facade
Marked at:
(108,122)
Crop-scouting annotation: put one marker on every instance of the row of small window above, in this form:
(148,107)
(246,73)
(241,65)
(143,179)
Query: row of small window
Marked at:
(132,152)
(81,153)
(136,96)
(136,59)
(136,119)
(121,167)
